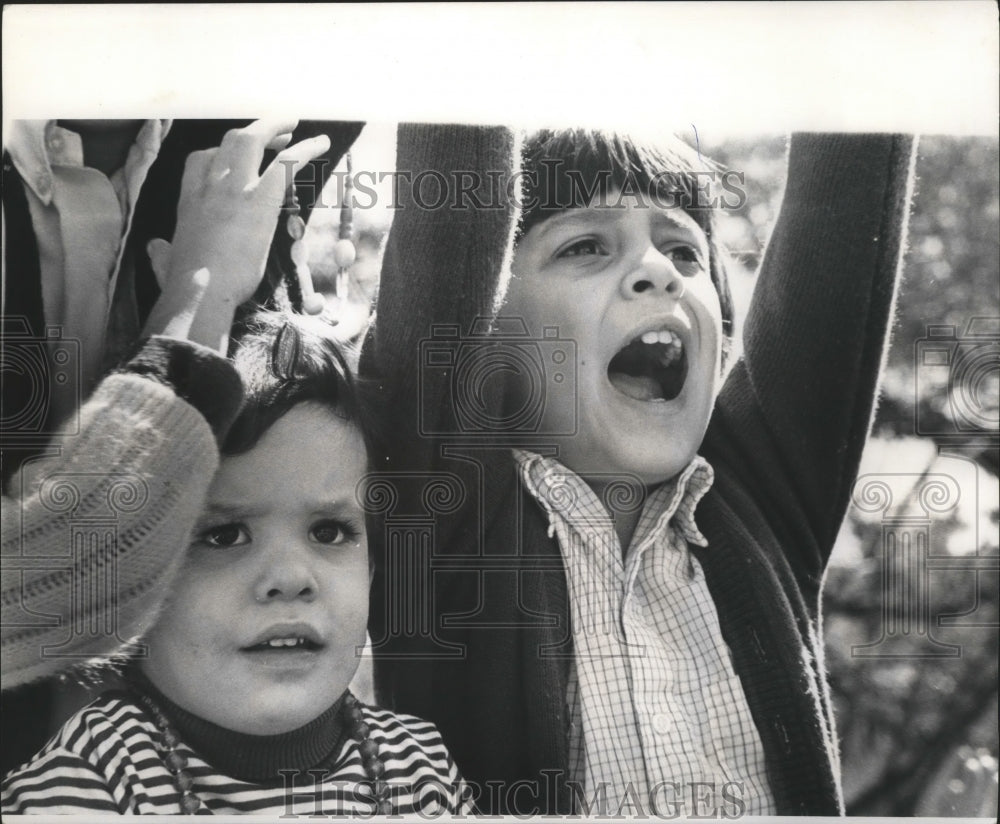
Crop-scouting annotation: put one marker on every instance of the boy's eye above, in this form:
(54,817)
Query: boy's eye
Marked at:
(226,535)
(332,532)
(580,248)
(686,258)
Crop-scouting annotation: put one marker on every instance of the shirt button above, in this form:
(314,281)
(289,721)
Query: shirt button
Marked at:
(662,723)
(55,143)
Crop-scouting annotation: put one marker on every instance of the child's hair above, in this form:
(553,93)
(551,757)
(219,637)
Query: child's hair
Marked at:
(284,360)
(569,168)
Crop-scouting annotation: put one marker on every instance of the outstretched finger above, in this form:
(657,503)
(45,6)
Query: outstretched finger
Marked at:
(281,173)
(195,171)
(280,142)
(270,127)
(242,150)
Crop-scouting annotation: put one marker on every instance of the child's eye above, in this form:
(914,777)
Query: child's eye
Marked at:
(686,258)
(333,532)
(581,248)
(225,535)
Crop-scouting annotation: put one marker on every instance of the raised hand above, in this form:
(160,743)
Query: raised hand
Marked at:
(226,217)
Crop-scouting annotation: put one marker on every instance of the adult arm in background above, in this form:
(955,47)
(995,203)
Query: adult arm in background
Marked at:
(147,446)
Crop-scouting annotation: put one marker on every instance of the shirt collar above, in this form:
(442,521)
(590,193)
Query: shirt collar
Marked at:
(676,501)
(564,494)
(34,144)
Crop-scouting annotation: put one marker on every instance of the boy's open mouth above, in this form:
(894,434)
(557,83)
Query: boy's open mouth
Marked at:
(650,368)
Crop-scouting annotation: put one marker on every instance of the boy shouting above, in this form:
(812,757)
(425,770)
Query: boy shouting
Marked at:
(625,607)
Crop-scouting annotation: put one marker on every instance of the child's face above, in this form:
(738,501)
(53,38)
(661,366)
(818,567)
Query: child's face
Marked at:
(271,603)
(631,286)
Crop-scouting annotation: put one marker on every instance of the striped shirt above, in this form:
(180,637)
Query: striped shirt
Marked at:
(106,759)
(656,709)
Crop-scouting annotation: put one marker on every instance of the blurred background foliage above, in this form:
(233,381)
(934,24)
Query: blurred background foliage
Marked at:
(911,638)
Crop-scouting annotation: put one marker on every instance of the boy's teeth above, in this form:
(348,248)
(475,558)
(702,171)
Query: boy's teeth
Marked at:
(284,642)
(664,336)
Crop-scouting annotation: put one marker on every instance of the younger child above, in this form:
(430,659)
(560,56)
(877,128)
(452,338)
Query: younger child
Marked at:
(239,702)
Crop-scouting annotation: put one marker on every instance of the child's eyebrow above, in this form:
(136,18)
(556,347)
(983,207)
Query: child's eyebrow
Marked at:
(609,214)
(237,510)
(337,507)
(586,216)
(227,510)
(687,223)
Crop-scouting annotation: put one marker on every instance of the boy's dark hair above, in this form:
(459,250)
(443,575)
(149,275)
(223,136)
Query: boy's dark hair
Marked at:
(572,168)
(285,360)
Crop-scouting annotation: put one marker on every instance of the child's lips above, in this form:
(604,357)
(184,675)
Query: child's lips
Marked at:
(285,647)
(289,658)
(286,638)
(291,644)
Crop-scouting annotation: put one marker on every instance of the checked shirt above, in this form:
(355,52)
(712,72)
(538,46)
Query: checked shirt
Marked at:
(657,714)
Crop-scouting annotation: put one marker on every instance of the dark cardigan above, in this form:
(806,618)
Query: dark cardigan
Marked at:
(489,664)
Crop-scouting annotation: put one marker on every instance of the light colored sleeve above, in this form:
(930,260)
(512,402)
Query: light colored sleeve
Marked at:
(92,538)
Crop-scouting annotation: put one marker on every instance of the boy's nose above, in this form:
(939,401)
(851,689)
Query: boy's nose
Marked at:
(655,275)
(287,576)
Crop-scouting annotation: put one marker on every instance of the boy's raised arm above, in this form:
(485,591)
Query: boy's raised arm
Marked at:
(443,261)
(798,409)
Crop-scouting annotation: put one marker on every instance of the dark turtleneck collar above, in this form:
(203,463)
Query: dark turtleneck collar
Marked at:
(256,758)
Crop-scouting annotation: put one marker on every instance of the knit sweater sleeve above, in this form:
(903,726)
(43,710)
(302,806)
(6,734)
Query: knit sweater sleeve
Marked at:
(795,413)
(442,266)
(93,535)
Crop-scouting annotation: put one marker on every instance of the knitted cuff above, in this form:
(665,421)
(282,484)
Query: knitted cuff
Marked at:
(204,379)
